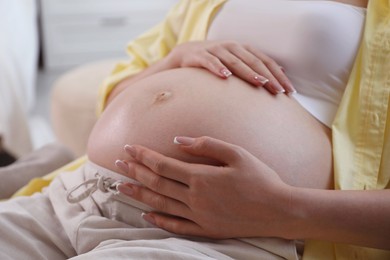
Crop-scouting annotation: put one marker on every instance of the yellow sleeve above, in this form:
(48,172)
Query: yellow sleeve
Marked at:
(145,50)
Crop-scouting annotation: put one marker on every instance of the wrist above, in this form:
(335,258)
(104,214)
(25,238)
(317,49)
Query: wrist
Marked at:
(285,215)
(294,215)
(308,210)
(174,59)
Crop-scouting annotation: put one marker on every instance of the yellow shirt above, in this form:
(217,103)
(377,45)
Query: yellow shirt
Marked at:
(361,131)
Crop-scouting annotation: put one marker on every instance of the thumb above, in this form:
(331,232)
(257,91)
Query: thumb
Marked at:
(211,148)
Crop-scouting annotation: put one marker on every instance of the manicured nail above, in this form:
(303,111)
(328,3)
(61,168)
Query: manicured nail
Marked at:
(293,92)
(225,72)
(183,140)
(131,150)
(148,218)
(279,89)
(122,165)
(125,189)
(261,79)
(292,89)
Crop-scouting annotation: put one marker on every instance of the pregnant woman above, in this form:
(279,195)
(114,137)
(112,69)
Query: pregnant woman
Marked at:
(267,148)
(316,46)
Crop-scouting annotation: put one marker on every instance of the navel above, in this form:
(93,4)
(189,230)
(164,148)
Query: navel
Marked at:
(162,96)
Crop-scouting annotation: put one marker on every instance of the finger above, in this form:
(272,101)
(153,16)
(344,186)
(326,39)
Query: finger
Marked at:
(259,67)
(180,226)
(162,165)
(157,183)
(280,76)
(156,201)
(276,70)
(214,64)
(211,148)
(238,67)
(206,60)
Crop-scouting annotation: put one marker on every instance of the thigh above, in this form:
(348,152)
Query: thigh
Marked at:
(30,230)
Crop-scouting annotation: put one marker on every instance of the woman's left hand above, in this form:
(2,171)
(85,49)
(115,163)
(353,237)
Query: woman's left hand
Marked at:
(242,198)
(224,58)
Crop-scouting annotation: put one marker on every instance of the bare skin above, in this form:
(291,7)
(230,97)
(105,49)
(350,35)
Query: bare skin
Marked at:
(155,109)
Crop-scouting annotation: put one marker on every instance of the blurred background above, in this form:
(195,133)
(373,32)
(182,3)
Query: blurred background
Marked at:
(42,40)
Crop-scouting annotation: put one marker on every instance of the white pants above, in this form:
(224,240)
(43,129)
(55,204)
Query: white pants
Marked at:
(107,225)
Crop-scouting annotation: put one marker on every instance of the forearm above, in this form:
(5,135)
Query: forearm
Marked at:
(353,217)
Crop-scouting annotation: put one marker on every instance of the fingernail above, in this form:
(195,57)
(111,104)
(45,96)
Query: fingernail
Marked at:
(183,140)
(226,73)
(282,69)
(279,89)
(131,150)
(122,165)
(292,92)
(148,218)
(261,79)
(125,189)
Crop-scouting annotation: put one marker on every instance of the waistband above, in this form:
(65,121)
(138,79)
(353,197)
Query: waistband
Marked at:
(92,168)
(101,184)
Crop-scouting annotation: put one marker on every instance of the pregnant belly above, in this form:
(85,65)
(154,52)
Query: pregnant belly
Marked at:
(193,102)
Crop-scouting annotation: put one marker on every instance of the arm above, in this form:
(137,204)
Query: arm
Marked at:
(353,217)
(245,198)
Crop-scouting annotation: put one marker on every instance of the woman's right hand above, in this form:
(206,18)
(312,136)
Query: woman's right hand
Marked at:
(224,58)
(242,198)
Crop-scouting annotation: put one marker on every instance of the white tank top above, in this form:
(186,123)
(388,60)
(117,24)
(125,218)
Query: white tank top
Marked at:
(315,41)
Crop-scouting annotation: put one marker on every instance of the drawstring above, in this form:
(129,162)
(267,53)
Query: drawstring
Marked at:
(101,183)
